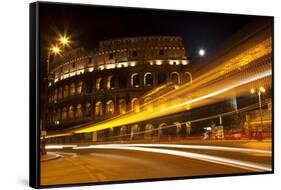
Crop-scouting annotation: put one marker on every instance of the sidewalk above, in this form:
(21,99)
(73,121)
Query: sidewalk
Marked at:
(48,157)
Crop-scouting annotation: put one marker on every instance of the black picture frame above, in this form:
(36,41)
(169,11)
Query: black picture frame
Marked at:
(36,107)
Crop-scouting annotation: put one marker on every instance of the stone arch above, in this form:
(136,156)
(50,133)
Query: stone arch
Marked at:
(147,104)
(161,103)
(79,111)
(135,80)
(134,129)
(188,128)
(148,79)
(149,130)
(54,116)
(122,106)
(160,129)
(109,107)
(64,114)
(188,77)
(72,89)
(135,105)
(88,111)
(177,128)
(55,95)
(100,83)
(98,109)
(175,78)
(66,91)
(71,112)
(60,93)
(123,130)
(79,88)
(110,82)
(58,114)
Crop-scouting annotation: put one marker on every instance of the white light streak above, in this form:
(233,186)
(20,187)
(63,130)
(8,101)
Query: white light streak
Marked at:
(206,158)
(60,146)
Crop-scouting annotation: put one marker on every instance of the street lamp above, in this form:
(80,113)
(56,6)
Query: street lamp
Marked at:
(259,92)
(64,40)
(55,49)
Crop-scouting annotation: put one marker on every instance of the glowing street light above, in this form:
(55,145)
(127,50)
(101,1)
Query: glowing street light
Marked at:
(64,40)
(262,89)
(55,50)
(259,92)
(253,91)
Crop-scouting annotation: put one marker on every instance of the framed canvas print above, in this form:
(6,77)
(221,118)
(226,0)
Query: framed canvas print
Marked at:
(123,94)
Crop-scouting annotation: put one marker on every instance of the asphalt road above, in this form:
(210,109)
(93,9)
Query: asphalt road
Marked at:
(114,163)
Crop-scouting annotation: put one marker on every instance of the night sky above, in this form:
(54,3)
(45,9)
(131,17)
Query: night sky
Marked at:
(89,24)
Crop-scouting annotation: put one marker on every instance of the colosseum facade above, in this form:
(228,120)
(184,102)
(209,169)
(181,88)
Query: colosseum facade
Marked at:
(113,79)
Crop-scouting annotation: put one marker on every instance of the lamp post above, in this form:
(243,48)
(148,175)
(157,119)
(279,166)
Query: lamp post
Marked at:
(55,50)
(259,92)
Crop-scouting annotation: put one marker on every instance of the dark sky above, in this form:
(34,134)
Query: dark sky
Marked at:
(89,24)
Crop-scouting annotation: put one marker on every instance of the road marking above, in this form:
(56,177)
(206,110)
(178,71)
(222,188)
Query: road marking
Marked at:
(214,159)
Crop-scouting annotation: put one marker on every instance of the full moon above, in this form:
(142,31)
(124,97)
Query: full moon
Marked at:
(201,52)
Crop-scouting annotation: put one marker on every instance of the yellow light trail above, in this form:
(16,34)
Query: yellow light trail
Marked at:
(176,105)
(229,78)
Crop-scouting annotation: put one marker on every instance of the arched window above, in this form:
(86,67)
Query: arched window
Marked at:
(188,77)
(54,116)
(175,77)
(135,80)
(188,128)
(88,110)
(71,112)
(161,103)
(123,130)
(99,84)
(149,130)
(66,91)
(109,107)
(110,82)
(60,93)
(148,79)
(98,109)
(55,95)
(177,127)
(161,77)
(50,117)
(58,115)
(122,106)
(135,128)
(72,89)
(79,88)
(135,105)
(148,106)
(79,112)
(160,128)
(64,114)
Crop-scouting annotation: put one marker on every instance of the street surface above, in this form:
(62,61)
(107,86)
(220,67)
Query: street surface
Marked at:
(115,162)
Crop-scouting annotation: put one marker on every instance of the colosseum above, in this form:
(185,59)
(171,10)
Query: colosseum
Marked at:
(117,77)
